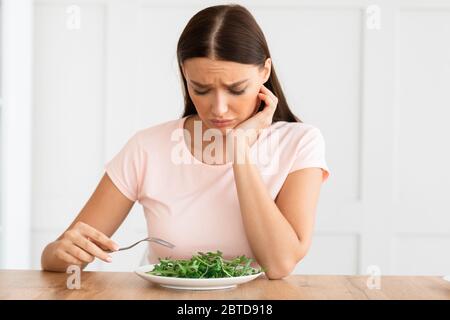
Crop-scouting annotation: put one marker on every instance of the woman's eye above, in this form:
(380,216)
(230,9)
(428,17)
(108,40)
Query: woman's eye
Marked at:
(231,91)
(237,92)
(201,93)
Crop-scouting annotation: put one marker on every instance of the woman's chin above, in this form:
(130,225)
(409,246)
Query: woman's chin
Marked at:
(223,128)
(223,131)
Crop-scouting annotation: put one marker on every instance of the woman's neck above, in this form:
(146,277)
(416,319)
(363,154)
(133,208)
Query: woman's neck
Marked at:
(189,125)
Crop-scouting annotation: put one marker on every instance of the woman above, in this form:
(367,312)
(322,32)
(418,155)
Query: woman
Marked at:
(205,194)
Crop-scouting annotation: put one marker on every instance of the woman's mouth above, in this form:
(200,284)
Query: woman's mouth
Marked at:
(222,123)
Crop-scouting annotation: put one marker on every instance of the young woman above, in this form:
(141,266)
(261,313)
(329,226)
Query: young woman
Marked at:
(205,194)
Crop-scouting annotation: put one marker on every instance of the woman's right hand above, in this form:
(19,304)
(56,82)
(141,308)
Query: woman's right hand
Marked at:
(82,244)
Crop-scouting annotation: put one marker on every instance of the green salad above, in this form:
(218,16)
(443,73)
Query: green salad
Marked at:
(205,265)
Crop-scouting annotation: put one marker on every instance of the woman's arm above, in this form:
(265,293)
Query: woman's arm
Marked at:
(280,231)
(89,234)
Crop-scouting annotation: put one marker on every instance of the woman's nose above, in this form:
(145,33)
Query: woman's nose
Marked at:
(219,105)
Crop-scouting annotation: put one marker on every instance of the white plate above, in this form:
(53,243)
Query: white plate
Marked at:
(193,284)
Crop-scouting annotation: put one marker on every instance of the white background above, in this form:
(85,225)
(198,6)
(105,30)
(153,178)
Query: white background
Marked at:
(380,96)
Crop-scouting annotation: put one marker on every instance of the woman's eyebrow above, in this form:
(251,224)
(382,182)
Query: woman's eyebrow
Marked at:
(232,85)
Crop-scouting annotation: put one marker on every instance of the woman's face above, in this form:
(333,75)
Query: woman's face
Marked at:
(224,90)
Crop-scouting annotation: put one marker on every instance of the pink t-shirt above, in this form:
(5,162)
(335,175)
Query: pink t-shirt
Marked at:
(195,205)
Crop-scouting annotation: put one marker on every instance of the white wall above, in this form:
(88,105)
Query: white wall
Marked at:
(380,97)
(15,128)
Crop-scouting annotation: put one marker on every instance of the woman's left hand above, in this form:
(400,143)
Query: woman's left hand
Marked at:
(253,126)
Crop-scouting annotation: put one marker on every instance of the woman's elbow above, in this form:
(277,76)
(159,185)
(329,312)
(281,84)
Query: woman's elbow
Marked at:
(280,272)
(285,269)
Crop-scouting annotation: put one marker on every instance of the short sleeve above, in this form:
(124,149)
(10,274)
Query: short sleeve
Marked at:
(125,168)
(311,153)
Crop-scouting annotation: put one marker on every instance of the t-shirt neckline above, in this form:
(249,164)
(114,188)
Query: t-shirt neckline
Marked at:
(224,165)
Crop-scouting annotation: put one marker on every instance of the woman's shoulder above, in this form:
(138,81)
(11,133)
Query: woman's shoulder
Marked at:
(297,135)
(295,129)
(163,126)
(159,131)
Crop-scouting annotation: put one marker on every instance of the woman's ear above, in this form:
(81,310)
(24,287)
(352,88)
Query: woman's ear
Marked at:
(267,69)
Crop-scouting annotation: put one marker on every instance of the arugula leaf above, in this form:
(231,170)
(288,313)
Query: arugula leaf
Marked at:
(205,265)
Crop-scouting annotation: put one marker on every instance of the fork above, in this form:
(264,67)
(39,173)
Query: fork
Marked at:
(150,239)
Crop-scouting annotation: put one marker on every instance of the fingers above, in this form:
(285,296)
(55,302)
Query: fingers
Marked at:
(80,254)
(77,245)
(64,256)
(90,248)
(266,91)
(89,232)
(269,98)
(270,104)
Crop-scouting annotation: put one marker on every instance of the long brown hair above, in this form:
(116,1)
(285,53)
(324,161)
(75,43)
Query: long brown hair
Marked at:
(229,33)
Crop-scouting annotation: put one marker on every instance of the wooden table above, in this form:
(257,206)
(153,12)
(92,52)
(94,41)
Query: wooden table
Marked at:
(35,284)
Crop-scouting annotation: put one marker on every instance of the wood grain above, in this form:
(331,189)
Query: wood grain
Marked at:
(33,284)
